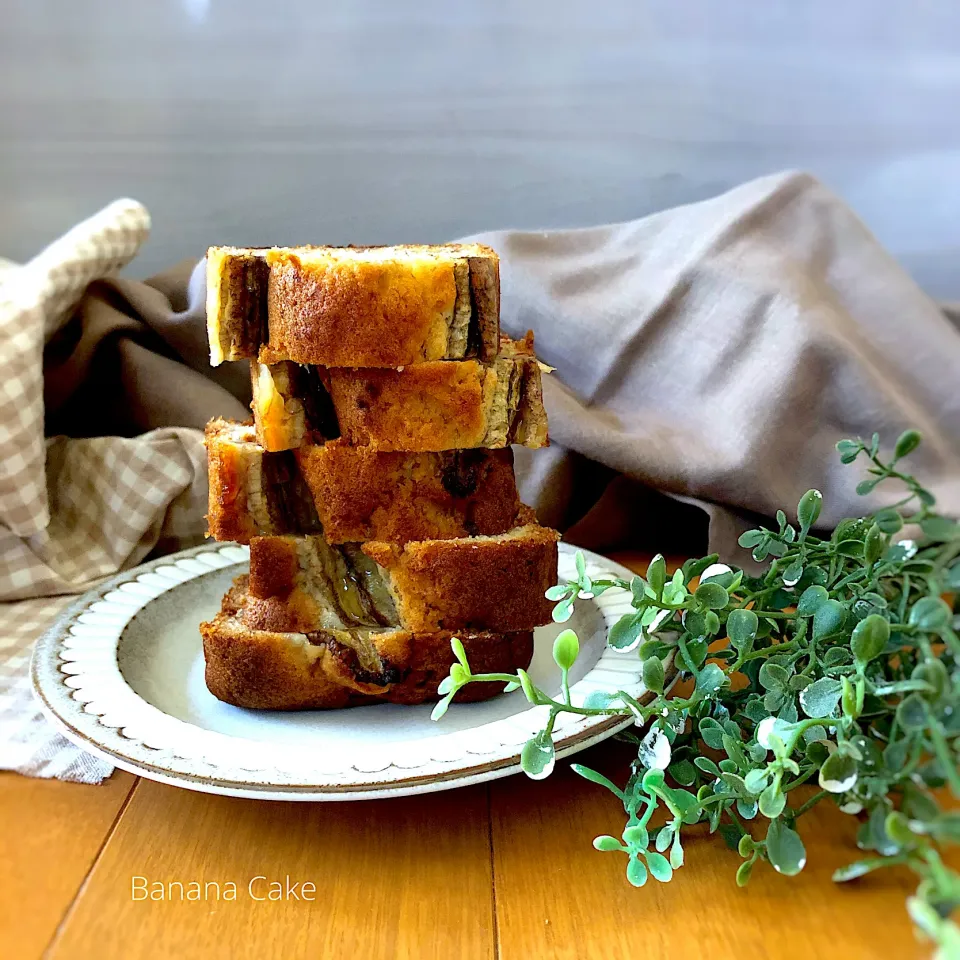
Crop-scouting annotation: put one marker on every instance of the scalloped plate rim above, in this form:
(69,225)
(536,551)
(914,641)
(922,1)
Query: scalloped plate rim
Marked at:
(61,706)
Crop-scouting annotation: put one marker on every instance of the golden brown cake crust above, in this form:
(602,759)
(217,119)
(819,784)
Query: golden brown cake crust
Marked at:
(445,405)
(494,583)
(353,306)
(354,493)
(363,493)
(431,406)
(357,313)
(426,407)
(229,515)
(270,670)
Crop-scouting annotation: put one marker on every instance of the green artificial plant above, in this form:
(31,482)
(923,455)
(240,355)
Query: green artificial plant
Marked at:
(848,659)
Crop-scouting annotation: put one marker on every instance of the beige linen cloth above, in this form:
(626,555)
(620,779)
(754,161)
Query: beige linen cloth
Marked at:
(714,352)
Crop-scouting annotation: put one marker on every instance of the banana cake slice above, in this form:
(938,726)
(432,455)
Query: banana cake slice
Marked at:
(440,405)
(354,493)
(353,306)
(474,583)
(333,666)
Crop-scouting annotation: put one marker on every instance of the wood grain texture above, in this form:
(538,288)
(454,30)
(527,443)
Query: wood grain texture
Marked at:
(559,898)
(404,878)
(505,871)
(51,836)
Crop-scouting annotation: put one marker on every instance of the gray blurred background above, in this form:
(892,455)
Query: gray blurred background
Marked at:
(364,121)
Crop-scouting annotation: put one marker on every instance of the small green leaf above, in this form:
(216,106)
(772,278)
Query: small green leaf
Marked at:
(785,849)
(849,450)
(773,676)
(712,595)
(869,638)
(676,852)
(660,867)
(601,699)
(684,772)
(746,846)
(695,623)
(934,673)
(772,801)
(657,575)
(751,538)
(939,529)
(895,755)
(558,592)
(736,783)
(537,758)
(930,614)
(445,686)
(828,619)
(808,510)
(888,520)
(441,708)
(912,712)
(934,926)
(755,780)
(742,628)
(811,599)
(636,872)
(653,674)
(459,652)
(848,699)
(710,679)
(897,828)
(907,442)
(581,564)
(566,649)
(529,691)
(821,697)
(707,765)
(712,733)
(874,545)
(626,632)
(563,611)
(744,871)
(697,649)
(866,486)
(598,778)
(693,568)
(653,780)
(664,836)
(687,804)
(606,844)
(838,773)
(674,592)
(793,573)
(859,868)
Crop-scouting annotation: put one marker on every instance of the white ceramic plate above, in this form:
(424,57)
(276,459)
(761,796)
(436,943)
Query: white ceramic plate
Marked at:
(121,674)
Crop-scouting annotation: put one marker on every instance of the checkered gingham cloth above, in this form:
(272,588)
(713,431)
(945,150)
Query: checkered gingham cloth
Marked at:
(72,511)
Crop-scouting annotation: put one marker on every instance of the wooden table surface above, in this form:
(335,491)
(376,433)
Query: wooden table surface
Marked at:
(504,870)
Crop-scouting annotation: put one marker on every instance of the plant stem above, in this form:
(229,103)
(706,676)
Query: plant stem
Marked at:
(808,804)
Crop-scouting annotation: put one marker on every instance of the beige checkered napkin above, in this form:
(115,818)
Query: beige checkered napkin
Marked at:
(28,743)
(35,301)
(72,511)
